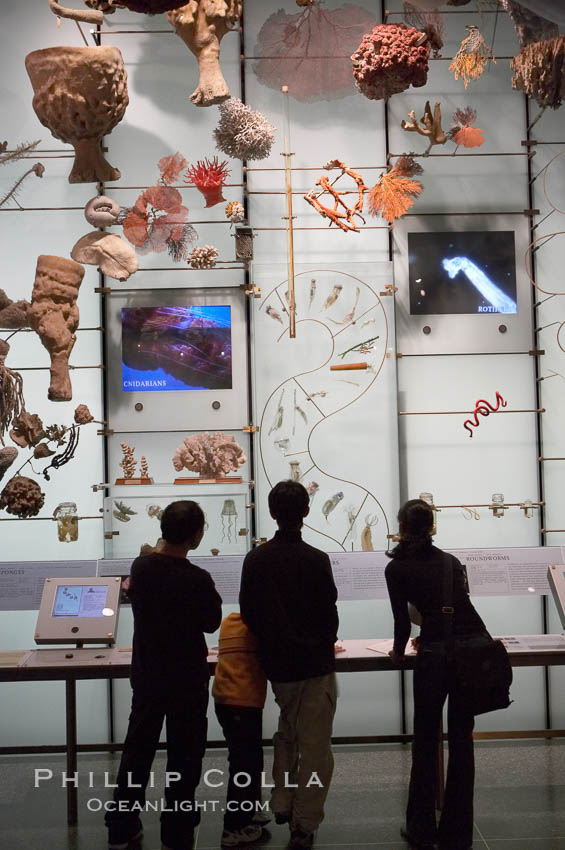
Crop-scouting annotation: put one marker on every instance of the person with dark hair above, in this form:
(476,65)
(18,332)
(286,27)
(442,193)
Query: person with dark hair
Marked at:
(417,576)
(288,600)
(173,603)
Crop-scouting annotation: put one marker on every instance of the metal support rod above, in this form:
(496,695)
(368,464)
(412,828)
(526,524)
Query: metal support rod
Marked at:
(450,155)
(463,412)
(44,518)
(552,531)
(319,168)
(359,227)
(544,459)
(489,505)
(71,729)
(287,154)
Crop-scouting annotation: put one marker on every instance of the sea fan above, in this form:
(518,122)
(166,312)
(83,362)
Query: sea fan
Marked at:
(171,167)
(393,195)
(469,137)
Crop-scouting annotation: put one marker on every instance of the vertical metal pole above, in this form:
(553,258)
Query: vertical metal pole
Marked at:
(287,154)
(71,724)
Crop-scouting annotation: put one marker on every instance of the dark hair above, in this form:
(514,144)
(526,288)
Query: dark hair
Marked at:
(181,521)
(416,519)
(288,502)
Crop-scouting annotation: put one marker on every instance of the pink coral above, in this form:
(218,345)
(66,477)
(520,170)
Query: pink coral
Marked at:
(209,455)
(209,176)
(390,59)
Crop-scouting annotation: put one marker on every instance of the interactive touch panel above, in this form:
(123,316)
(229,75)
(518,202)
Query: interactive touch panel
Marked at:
(78,610)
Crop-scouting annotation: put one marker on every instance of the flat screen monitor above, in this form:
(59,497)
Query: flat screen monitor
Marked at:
(178,348)
(80,601)
(462,272)
(78,610)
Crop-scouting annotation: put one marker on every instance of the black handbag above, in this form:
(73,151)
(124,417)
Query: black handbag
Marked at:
(482,666)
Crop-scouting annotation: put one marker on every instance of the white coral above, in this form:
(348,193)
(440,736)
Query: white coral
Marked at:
(203,257)
(212,455)
(243,132)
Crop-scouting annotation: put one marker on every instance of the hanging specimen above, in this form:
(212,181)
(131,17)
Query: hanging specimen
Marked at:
(83,415)
(279,415)
(529,26)
(366,537)
(308,51)
(229,519)
(54,316)
(27,429)
(429,126)
(344,217)
(149,7)
(80,94)
(312,488)
(212,456)
(348,316)
(122,512)
(483,408)
(12,401)
(13,314)
(203,257)
(155,511)
(333,296)
(101,211)
(274,314)
(539,71)
(395,191)
(428,21)
(389,59)
(7,457)
(461,131)
(67,522)
(330,504)
(22,497)
(109,251)
(473,55)
(235,211)
(202,24)
(242,132)
(209,176)
(19,152)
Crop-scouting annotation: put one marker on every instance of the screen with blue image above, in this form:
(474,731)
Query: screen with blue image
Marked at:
(462,272)
(176,348)
(80,601)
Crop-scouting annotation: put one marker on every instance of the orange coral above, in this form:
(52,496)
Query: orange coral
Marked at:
(470,60)
(171,167)
(393,195)
(469,137)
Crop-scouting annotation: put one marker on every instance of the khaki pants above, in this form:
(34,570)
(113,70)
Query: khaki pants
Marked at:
(303,749)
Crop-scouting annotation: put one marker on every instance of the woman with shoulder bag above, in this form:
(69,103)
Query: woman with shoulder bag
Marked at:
(416,575)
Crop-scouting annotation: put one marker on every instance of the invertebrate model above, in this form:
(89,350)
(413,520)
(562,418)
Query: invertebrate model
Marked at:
(308,424)
(484,408)
(344,217)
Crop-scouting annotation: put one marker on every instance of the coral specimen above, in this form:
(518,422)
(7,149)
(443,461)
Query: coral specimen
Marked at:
(209,455)
(73,434)
(149,7)
(11,392)
(80,94)
(529,26)
(95,17)
(128,462)
(346,219)
(122,512)
(243,132)
(27,429)
(42,451)
(539,71)
(293,50)
(13,314)
(244,243)
(202,24)
(394,192)
(18,153)
(428,21)
(55,316)
(234,211)
(461,131)
(143,467)
(171,167)
(429,125)
(101,211)
(473,55)
(209,176)
(203,257)
(83,415)
(109,252)
(22,497)
(7,457)
(484,408)
(389,59)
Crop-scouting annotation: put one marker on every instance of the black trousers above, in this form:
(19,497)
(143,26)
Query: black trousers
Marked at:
(243,731)
(186,728)
(434,681)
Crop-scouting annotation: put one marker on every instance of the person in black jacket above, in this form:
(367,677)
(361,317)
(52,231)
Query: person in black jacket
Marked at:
(415,575)
(288,600)
(173,603)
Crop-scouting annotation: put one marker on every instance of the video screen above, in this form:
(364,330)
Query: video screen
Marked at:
(176,348)
(456,272)
(80,601)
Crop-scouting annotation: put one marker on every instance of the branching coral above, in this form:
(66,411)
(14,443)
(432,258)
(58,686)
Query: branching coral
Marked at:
(473,55)
(203,257)
(395,191)
(429,125)
(22,497)
(11,392)
(171,167)
(539,71)
(428,21)
(209,176)
(128,462)
(242,132)
(389,59)
(158,221)
(209,455)
(344,217)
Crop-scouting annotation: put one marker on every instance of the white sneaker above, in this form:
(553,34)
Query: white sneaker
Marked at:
(233,837)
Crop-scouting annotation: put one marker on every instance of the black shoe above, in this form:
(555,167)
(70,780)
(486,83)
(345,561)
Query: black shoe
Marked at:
(300,840)
(417,845)
(282,817)
(132,843)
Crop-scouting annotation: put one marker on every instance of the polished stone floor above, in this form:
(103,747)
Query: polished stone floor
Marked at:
(519,801)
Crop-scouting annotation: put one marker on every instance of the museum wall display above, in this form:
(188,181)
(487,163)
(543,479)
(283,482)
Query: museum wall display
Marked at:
(293,239)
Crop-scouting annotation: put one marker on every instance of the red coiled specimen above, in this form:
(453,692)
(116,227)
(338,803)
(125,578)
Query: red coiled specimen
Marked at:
(484,408)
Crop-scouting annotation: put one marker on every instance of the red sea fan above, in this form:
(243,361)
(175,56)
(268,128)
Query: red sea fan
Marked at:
(209,176)
(157,217)
(461,131)
(308,51)
(389,59)
(171,167)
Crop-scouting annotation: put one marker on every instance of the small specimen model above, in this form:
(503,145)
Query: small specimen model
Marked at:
(244,243)
(539,71)
(362,347)
(27,429)
(80,94)
(279,415)
(54,317)
(366,536)
(202,24)
(312,292)
(22,497)
(349,316)
(95,17)
(19,152)
(122,512)
(282,445)
(83,415)
(333,296)
(67,522)
(529,26)
(394,193)
(345,217)
(242,132)
(318,394)
(331,504)
(484,408)
(209,455)
(428,21)
(143,467)
(301,413)
(312,488)
(461,131)
(68,453)
(128,462)
(351,367)
(13,314)
(109,252)
(274,314)
(101,211)
(229,519)
(203,257)
(209,176)
(473,55)
(389,59)
(7,457)
(293,50)
(235,211)
(429,126)
(155,511)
